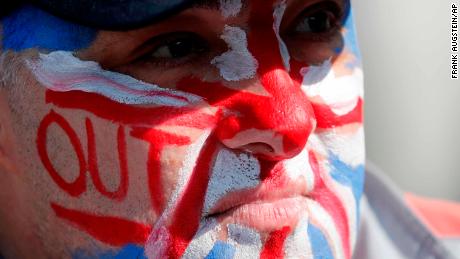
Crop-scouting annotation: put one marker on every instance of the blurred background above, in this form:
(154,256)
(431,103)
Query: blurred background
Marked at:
(412,105)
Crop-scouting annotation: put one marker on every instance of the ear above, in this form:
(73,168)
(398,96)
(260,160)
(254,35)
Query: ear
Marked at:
(7,147)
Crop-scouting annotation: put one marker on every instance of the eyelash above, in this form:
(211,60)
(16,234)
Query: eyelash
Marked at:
(165,40)
(331,8)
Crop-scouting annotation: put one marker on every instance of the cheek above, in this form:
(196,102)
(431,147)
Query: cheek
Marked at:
(111,148)
(312,52)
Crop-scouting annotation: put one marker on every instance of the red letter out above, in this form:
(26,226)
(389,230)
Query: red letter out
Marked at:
(78,186)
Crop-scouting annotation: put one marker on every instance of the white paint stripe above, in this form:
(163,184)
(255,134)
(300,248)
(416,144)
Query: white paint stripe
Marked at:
(231,172)
(278,14)
(349,148)
(204,240)
(297,245)
(299,166)
(340,93)
(237,63)
(61,71)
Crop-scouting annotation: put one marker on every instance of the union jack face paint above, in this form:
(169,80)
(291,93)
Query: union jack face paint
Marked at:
(265,162)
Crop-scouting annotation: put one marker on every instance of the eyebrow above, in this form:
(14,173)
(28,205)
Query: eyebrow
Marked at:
(208,4)
(212,4)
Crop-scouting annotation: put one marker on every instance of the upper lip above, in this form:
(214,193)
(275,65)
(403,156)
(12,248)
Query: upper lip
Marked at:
(266,192)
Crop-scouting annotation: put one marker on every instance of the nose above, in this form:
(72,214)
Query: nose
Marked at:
(276,125)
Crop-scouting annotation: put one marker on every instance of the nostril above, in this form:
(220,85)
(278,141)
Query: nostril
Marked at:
(258,148)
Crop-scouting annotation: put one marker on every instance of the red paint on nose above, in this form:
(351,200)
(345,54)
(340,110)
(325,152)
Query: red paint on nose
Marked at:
(286,113)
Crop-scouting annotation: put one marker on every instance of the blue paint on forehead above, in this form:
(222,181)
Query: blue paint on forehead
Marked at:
(319,244)
(31,27)
(221,250)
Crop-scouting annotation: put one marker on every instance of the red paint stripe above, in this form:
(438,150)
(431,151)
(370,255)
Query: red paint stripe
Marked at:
(327,119)
(130,114)
(158,140)
(332,204)
(77,187)
(274,246)
(120,193)
(186,218)
(107,229)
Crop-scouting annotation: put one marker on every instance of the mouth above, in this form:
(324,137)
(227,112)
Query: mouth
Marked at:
(264,208)
(265,216)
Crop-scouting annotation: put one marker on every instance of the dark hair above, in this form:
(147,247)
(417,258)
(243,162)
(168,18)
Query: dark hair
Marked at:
(7,7)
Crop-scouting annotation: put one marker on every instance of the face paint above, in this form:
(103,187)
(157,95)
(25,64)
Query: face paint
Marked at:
(22,31)
(246,241)
(278,16)
(238,63)
(60,71)
(230,7)
(200,173)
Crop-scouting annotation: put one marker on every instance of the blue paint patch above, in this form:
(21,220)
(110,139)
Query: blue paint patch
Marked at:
(319,244)
(127,252)
(31,27)
(221,250)
(348,176)
(350,37)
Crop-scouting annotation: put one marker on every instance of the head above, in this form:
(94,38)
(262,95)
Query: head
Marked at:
(219,129)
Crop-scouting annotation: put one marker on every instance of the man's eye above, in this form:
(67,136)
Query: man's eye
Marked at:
(319,18)
(176,46)
(321,21)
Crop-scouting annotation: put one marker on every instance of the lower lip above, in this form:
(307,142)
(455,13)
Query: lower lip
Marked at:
(267,216)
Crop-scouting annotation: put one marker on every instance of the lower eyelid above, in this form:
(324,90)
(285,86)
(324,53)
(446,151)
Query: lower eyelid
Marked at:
(169,63)
(314,37)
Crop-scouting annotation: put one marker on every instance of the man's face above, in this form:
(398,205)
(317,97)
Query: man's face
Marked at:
(231,129)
